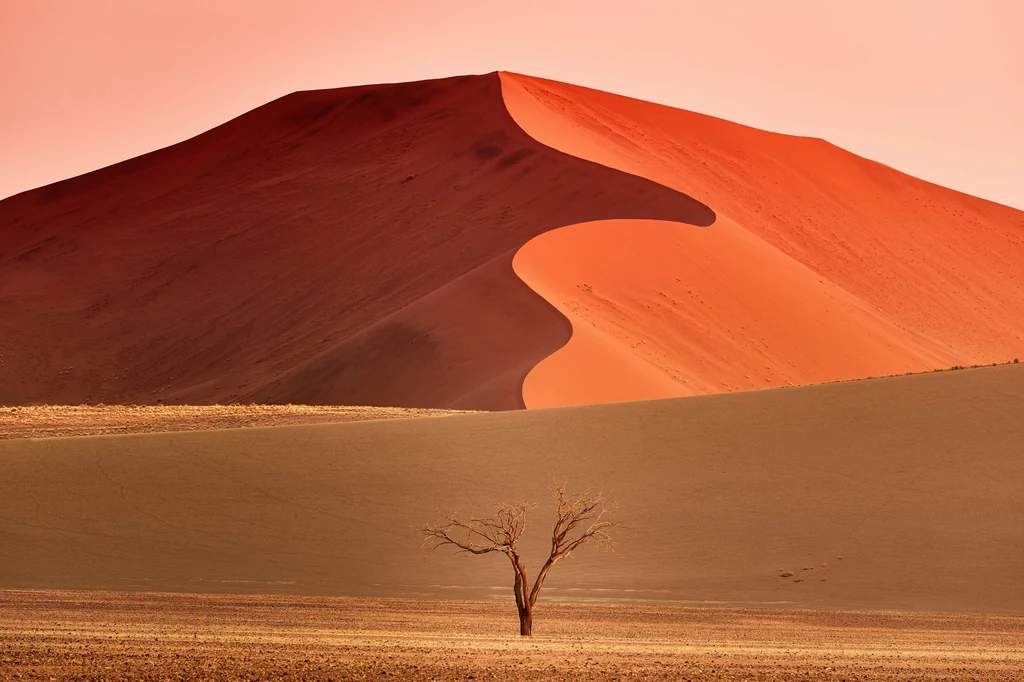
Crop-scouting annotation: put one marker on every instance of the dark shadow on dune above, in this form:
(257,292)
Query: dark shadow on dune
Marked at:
(277,257)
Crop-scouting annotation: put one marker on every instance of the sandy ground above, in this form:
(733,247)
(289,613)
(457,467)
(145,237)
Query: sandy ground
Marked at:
(885,494)
(118,636)
(50,421)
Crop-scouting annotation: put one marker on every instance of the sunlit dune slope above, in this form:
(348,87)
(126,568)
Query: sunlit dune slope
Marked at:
(900,493)
(347,246)
(822,265)
(660,309)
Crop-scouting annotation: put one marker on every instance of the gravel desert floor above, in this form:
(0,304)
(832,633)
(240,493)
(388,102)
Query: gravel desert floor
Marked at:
(56,421)
(130,636)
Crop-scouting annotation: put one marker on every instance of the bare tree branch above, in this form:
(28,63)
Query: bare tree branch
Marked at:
(480,536)
(579,510)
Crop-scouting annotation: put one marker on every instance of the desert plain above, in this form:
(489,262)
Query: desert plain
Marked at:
(786,534)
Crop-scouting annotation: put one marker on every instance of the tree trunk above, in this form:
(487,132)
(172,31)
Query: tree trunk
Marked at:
(526,622)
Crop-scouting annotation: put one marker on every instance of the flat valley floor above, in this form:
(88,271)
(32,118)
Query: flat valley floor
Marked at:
(131,636)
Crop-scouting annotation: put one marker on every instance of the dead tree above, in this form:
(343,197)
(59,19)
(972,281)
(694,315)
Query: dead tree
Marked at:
(580,521)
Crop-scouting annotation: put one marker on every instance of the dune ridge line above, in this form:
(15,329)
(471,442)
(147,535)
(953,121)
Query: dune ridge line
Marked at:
(348,246)
(822,266)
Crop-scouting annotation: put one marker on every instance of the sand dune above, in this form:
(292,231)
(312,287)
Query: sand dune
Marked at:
(922,276)
(345,246)
(492,242)
(898,493)
(659,310)
(354,247)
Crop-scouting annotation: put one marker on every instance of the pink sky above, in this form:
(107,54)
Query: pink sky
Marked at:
(932,87)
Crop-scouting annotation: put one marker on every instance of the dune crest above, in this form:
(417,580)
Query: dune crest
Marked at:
(347,246)
(361,245)
(921,276)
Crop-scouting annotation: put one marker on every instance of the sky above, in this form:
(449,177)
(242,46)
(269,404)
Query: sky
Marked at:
(934,88)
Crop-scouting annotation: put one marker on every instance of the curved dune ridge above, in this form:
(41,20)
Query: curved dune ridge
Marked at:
(348,246)
(492,242)
(659,310)
(821,265)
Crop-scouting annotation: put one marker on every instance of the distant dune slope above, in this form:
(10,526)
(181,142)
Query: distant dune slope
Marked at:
(899,493)
(347,246)
(822,265)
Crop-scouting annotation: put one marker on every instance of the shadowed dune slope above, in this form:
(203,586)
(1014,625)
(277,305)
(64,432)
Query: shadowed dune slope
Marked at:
(344,246)
(922,276)
(899,493)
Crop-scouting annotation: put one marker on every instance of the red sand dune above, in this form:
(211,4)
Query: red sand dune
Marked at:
(362,246)
(344,246)
(821,266)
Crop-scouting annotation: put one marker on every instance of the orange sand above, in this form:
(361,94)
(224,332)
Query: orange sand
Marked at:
(660,309)
(348,246)
(360,246)
(821,265)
